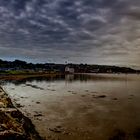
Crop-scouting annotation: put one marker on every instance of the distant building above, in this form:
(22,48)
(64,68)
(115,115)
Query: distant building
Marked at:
(109,71)
(95,70)
(69,69)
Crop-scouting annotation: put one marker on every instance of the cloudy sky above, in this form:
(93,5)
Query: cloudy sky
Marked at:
(78,31)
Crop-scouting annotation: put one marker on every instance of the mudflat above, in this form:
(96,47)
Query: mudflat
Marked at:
(81,107)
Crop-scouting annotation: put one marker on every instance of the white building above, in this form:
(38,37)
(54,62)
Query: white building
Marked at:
(69,69)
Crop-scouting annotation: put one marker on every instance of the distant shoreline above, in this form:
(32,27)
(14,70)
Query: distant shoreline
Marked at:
(45,75)
(24,76)
(23,67)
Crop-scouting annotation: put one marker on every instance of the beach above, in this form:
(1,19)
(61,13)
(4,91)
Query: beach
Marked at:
(80,107)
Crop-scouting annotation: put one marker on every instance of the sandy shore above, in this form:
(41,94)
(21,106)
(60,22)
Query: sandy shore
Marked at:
(13,124)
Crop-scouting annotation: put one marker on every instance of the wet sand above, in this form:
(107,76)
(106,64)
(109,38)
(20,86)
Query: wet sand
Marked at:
(96,108)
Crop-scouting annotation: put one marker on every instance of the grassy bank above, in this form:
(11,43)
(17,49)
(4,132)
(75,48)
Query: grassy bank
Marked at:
(19,75)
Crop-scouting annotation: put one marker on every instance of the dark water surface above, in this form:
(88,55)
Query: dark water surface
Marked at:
(81,107)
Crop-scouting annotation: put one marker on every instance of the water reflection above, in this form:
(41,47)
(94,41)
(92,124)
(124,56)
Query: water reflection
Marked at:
(80,106)
(68,78)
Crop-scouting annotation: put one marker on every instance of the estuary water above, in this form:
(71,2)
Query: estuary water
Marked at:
(81,106)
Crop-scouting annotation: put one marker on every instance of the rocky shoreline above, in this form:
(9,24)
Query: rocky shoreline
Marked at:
(13,124)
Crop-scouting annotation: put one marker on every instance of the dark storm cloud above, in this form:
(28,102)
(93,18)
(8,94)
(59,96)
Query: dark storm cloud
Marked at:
(77,30)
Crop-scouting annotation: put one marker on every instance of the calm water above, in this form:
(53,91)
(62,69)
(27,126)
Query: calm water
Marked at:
(80,107)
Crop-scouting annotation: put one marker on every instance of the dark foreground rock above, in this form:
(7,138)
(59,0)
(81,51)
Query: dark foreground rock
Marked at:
(13,124)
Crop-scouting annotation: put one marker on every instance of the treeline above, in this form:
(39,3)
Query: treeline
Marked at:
(78,68)
(23,65)
(102,69)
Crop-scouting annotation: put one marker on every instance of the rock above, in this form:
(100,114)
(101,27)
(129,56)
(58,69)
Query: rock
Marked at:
(2,104)
(83,95)
(136,134)
(101,96)
(37,115)
(2,128)
(86,90)
(38,102)
(70,91)
(16,114)
(131,95)
(118,135)
(56,130)
(19,105)
(114,99)
(13,124)
(12,135)
(58,126)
